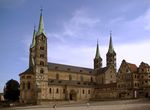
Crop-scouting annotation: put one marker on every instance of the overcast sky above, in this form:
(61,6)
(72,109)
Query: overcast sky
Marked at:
(72,28)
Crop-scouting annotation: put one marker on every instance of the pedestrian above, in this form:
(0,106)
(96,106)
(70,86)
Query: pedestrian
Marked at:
(87,104)
(54,106)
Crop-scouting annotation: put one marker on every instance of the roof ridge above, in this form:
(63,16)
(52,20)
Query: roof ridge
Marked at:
(69,65)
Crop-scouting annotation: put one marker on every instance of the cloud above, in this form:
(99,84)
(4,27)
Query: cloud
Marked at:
(81,26)
(131,30)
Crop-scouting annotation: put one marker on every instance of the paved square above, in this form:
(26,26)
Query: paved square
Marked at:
(105,105)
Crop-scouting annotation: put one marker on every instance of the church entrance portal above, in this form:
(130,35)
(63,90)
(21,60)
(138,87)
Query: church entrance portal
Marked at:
(72,95)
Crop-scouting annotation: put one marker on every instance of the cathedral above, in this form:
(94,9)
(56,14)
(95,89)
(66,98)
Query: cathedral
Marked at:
(47,81)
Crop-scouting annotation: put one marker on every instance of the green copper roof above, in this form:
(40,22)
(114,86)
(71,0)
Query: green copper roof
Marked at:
(41,25)
(97,51)
(33,39)
(111,49)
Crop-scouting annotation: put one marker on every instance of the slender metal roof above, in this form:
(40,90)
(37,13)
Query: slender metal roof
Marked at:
(41,25)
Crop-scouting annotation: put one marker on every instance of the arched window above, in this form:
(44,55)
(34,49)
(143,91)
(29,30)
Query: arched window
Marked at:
(50,90)
(41,71)
(57,76)
(28,85)
(83,91)
(57,91)
(41,48)
(91,79)
(42,38)
(42,63)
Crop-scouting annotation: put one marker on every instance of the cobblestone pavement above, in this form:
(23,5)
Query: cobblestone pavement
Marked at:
(105,105)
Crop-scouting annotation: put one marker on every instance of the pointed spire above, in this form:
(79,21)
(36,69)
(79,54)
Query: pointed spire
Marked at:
(41,24)
(97,51)
(33,39)
(111,49)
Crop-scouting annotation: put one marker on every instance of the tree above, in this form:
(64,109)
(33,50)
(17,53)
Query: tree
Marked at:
(11,90)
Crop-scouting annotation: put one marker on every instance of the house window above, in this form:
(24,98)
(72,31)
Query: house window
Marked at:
(89,91)
(50,90)
(83,91)
(28,85)
(57,91)
(63,90)
(135,76)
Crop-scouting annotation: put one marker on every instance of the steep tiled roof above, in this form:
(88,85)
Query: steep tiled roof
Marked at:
(62,67)
(132,67)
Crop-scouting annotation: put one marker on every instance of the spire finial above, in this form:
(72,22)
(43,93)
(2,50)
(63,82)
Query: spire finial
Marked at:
(41,10)
(110,33)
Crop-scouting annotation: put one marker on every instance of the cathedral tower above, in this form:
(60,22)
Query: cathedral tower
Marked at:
(111,54)
(40,48)
(38,60)
(97,59)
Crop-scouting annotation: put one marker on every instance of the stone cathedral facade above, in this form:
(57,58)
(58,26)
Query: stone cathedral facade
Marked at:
(47,81)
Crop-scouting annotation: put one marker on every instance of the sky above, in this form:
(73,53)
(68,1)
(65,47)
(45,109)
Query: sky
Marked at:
(72,28)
